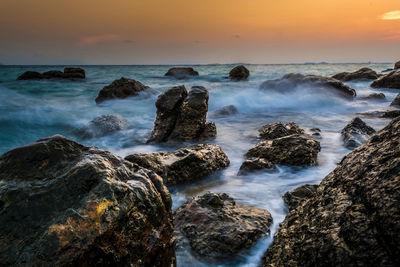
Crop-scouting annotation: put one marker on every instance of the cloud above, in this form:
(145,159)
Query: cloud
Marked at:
(392,15)
(96,39)
(235,36)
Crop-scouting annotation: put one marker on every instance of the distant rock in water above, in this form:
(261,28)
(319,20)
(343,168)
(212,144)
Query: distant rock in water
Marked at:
(391,80)
(181,73)
(297,196)
(387,70)
(65,204)
(225,111)
(388,114)
(396,101)
(104,125)
(397,65)
(184,165)
(218,228)
(121,89)
(353,219)
(68,74)
(181,116)
(289,82)
(278,129)
(356,133)
(374,96)
(239,73)
(361,74)
(255,164)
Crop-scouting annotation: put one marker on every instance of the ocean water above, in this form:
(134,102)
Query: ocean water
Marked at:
(30,110)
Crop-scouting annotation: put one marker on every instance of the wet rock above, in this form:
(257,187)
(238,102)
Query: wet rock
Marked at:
(297,196)
(65,204)
(289,82)
(374,96)
(315,132)
(396,101)
(397,65)
(278,129)
(104,125)
(68,74)
(391,80)
(239,73)
(76,73)
(184,165)
(254,164)
(388,114)
(31,75)
(361,74)
(121,89)
(225,111)
(353,219)
(387,70)
(181,116)
(217,227)
(181,73)
(356,133)
(209,131)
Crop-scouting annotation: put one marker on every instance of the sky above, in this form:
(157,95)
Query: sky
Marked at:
(194,31)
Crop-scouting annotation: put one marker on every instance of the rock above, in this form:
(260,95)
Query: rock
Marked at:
(353,219)
(276,130)
(181,73)
(297,196)
(31,75)
(65,204)
(121,89)
(315,132)
(217,227)
(292,150)
(289,82)
(184,165)
(396,101)
(397,65)
(388,114)
(209,131)
(181,116)
(387,70)
(374,96)
(104,125)
(361,74)
(75,73)
(391,80)
(239,73)
(68,74)
(255,164)
(225,111)
(356,133)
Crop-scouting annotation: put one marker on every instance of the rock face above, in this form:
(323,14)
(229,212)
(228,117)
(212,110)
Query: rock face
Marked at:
(64,204)
(68,74)
(353,219)
(181,73)
(374,96)
(289,81)
(121,88)
(356,133)
(185,165)
(297,196)
(239,73)
(397,65)
(104,125)
(391,80)
(361,74)
(396,101)
(278,129)
(217,227)
(225,111)
(181,116)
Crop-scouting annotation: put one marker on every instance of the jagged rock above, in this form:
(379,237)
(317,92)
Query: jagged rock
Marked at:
(297,196)
(122,88)
(391,80)
(239,73)
(353,219)
(278,129)
(181,116)
(65,204)
(217,227)
(361,74)
(396,101)
(356,133)
(209,131)
(254,164)
(289,82)
(68,74)
(374,96)
(225,111)
(184,165)
(181,73)
(104,125)
(397,65)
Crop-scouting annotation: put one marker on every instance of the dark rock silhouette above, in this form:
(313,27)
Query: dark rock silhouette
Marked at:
(68,74)
(391,80)
(361,74)
(239,73)
(181,73)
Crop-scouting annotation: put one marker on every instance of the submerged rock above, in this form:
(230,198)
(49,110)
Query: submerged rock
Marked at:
(353,218)
(289,81)
(121,89)
(184,165)
(297,196)
(361,74)
(181,73)
(396,101)
(217,227)
(181,116)
(356,133)
(255,164)
(278,129)
(374,96)
(391,80)
(65,204)
(104,125)
(225,111)
(239,73)
(68,74)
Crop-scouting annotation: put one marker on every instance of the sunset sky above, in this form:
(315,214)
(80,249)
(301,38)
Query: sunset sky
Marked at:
(191,31)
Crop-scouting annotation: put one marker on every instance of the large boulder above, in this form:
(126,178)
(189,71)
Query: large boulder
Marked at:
(239,73)
(184,165)
(104,125)
(181,73)
(181,116)
(295,197)
(121,89)
(396,101)
(353,218)
(225,111)
(219,228)
(289,81)
(391,80)
(356,133)
(361,74)
(68,74)
(397,65)
(278,129)
(65,204)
